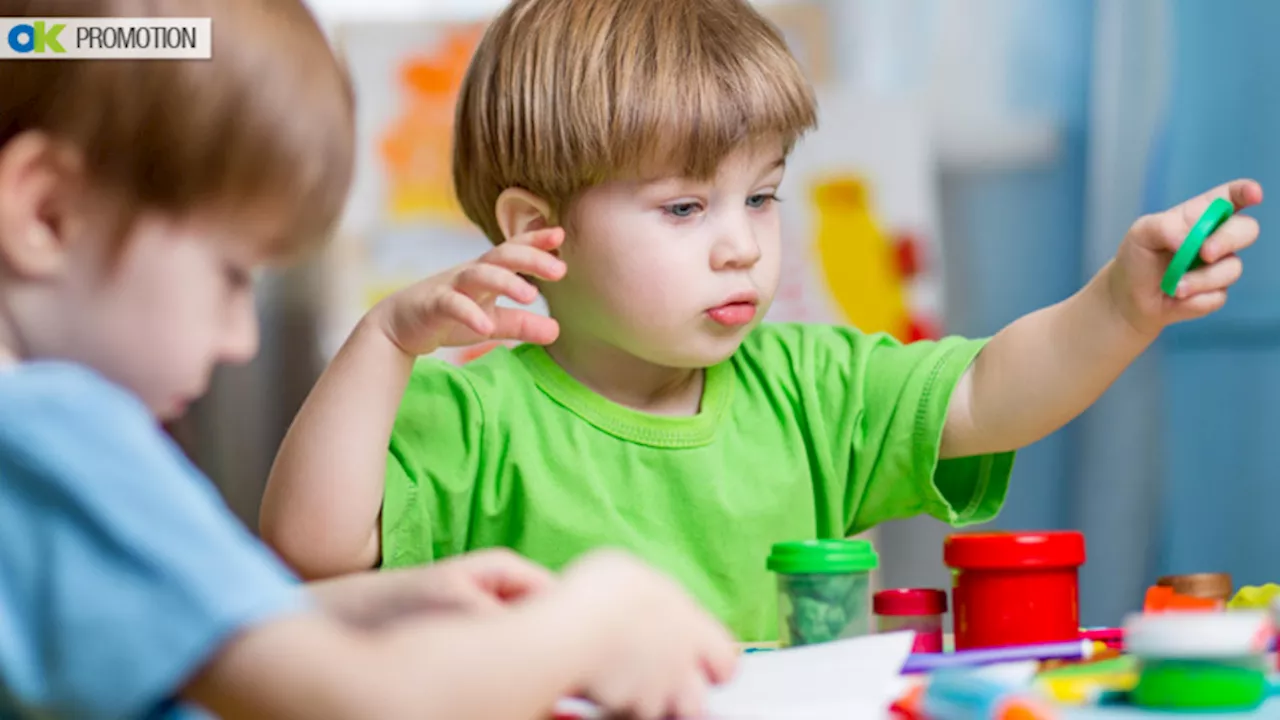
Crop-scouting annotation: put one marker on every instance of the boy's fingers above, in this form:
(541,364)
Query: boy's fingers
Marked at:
(482,279)
(691,700)
(544,239)
(517,324)
(649,706)
(720,660)
(1203,304)
(1236,234)
(471,598)
(526,260)
(1242,193)
(1220,275)
(465,310)
(510,577)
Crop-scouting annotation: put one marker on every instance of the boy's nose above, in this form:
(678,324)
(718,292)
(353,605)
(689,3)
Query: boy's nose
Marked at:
(736,250)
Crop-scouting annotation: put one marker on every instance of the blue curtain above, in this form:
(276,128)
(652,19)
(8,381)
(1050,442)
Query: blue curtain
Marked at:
(1221,376)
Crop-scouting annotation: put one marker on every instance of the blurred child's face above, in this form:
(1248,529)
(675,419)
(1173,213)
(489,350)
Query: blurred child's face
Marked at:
(157,319)
(674,271)
(154,311)
(154,314)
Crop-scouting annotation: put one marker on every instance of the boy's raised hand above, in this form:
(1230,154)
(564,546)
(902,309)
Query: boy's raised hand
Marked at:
(661,651)
(458,306)
(1150,244)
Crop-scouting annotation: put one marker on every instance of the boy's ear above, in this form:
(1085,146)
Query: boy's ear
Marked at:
(520,211)
(32,206)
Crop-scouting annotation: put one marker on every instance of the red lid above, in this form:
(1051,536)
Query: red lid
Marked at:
(910,601)
(993,550)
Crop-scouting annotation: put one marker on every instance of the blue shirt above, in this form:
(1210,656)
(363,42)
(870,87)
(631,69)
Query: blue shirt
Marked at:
(122,572)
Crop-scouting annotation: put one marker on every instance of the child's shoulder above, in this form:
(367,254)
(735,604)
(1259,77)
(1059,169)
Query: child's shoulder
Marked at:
(444,398)
(65,421)
(34,395)
(499,373)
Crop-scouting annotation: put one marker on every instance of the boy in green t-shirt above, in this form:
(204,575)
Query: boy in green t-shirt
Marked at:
(624,158)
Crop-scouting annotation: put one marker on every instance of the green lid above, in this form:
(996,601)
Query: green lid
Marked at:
(822,557)
(1188,255)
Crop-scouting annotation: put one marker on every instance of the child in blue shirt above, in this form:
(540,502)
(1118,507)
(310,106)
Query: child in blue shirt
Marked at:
(137,198)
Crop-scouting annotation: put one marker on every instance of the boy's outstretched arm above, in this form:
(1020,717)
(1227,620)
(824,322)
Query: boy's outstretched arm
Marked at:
(321,506)
(1046,368)
(613,629)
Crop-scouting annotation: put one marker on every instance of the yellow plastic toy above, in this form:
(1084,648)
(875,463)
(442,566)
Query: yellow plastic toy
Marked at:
(859,262)
(1254,597)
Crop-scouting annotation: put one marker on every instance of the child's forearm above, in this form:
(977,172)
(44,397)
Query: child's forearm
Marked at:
(539,653)
(371,599)
(321,506)
(1041,371)
(442,667)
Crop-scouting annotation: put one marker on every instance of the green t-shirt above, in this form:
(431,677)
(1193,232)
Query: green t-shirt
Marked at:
(808,431)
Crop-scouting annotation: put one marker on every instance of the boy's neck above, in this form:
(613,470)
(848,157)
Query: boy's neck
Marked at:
(628,380)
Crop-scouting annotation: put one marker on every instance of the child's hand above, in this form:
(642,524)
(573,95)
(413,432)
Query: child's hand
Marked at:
(457,307)
(1150,244)
(481,581)
(662,650)
(477,581)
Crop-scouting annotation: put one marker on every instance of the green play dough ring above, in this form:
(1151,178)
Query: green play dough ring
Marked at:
(1188,255)
(1200,685)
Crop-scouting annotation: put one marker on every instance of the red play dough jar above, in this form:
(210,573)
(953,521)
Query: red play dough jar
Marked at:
(1014,588)
(916,609)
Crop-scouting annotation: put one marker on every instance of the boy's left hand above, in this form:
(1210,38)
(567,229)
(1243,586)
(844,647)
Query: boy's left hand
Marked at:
(480,581)
(477,581)
(1150,244)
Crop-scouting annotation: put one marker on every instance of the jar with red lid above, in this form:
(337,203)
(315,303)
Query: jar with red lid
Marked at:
(1015,588)
(917,609)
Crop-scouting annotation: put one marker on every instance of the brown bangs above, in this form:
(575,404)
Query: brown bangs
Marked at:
(565,94)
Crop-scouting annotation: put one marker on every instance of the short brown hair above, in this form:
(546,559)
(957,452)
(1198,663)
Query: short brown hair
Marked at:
(266,124)
(565,94)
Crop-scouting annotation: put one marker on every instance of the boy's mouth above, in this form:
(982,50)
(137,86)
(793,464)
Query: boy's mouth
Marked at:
(740,309)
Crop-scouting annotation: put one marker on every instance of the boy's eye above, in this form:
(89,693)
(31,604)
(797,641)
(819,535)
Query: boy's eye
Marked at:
(682,210)
(760,200)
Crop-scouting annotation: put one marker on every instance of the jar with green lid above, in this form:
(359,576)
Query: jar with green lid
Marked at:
(824,589)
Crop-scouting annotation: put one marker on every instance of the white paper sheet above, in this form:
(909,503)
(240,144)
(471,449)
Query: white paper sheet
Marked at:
(854,679)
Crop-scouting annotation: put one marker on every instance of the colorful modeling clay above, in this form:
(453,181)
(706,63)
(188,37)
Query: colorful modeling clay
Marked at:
(1254,597)
(823,607)
(1200,661)
(824,589)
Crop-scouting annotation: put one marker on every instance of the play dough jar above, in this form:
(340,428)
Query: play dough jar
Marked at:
(916,609)
(1209,586)
(824,589)
(1014,588)
(1199,661)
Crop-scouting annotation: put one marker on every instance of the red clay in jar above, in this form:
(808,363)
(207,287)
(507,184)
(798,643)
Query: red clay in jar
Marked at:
(918,609)
(1015,588)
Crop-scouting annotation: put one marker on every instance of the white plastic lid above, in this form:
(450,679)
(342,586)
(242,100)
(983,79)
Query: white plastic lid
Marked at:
(1194,635)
